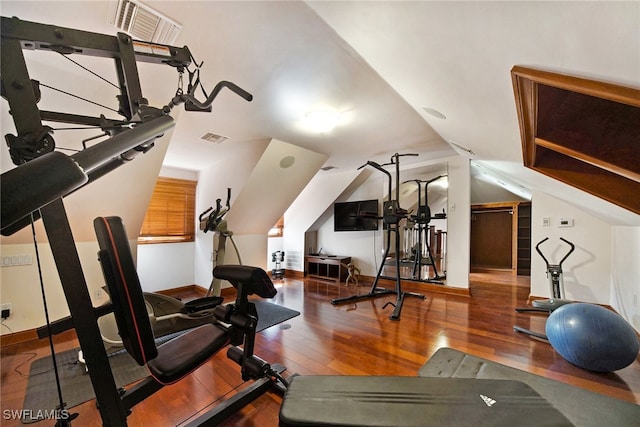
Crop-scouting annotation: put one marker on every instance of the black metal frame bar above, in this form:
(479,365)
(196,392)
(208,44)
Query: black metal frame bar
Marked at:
(121,48)
(78,299)
(222,411)
(22,95)
(391,227)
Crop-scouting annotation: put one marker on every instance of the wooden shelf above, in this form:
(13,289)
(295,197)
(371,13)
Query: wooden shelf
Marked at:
(581,132)
(523,262)
(327,267)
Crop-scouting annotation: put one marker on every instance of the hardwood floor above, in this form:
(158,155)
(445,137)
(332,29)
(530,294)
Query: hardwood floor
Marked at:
(351,339)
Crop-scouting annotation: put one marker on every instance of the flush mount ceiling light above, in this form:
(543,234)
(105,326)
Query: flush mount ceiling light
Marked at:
(434,112)
(322,120)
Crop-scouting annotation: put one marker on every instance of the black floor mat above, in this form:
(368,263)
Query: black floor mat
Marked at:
(270,314)
(42,396)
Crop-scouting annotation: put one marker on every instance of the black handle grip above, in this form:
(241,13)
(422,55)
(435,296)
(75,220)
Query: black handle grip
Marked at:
(216,90)
(573,247)
(201,217)
(540,252)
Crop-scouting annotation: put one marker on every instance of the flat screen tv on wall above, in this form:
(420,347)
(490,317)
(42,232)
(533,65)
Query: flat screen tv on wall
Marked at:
(355,216)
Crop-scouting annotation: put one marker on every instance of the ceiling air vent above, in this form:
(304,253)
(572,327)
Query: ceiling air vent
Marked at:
(212,137)
(143,23)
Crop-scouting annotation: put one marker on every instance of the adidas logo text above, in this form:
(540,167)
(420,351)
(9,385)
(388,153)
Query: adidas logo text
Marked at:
(487,400)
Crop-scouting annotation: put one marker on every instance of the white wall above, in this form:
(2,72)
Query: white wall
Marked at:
(458,222)
(21,285)
(364,247)
(277,179)
(212,185)
(625,274)
(253,250)
(603,269)
(165,266)
(125,192)
(311,203)
(587,271)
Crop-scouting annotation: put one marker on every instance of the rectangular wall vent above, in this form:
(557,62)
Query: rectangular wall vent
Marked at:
(293,260)
(142,22)
(212,137)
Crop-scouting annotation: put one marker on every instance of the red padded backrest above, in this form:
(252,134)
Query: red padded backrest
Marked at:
(124,287)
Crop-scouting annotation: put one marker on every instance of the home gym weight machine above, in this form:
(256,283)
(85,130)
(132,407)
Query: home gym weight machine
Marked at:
(170,315)
(418,224)
(392,214)
(556,285)
(215,222)
(35,188)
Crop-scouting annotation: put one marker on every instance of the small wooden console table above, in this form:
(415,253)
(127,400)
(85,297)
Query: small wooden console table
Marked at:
(327,267)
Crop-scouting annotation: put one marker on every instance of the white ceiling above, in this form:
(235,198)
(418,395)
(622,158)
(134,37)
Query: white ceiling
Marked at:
(380,63)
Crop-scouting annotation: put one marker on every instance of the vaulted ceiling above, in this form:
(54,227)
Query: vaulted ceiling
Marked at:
(384,65)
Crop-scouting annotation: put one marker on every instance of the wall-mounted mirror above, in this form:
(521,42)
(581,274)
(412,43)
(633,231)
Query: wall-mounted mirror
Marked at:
(423,235)
(420,185)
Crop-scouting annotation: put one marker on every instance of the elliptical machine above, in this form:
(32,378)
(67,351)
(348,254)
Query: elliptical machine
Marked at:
(215,222)
(556,283)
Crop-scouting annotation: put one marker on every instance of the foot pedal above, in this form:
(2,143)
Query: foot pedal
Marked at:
(200,304)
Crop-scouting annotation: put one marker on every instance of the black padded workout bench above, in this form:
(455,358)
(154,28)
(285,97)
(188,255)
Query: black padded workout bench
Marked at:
(414,401)
(173,360)
(452,389)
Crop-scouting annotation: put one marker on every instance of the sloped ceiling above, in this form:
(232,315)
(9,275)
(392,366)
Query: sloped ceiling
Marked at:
(278,177)
(380,63)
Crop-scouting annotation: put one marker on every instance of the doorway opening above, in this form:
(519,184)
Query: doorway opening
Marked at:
(501,237)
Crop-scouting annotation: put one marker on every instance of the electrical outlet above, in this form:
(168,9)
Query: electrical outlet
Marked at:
(5,309)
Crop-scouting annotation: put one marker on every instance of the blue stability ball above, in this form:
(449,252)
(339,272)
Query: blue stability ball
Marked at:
(592,337)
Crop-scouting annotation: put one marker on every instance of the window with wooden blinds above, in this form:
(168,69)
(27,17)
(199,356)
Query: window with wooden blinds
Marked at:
(171,213)
(278,229)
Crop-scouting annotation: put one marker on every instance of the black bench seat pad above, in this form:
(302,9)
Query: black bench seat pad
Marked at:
(185,353)
(413,401)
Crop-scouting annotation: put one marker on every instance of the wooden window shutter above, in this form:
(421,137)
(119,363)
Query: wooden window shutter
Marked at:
(278,229)
(170,216)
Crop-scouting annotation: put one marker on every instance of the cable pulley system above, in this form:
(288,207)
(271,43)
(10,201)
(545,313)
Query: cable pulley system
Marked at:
(43,176)
(120,140)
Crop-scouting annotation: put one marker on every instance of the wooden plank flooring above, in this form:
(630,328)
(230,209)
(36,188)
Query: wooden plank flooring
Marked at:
(351,339)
